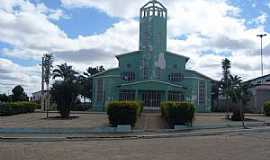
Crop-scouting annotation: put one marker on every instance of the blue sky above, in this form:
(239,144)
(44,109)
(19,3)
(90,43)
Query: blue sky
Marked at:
(91,32)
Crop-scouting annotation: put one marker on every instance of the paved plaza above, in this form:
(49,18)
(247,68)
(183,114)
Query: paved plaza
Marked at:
(38,120)
(246,146)
(93,120)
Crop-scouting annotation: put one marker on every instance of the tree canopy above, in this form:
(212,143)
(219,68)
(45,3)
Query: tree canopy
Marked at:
(87,80)
(65,72)
(18,94)
(4,98)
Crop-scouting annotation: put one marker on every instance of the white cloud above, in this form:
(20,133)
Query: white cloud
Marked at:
(212,27)
(260,20)
(12,74)
(57,14)
(114,8)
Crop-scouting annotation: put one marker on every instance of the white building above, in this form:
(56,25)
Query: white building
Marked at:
(261,93)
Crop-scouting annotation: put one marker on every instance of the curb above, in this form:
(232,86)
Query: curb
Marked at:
(130,137)
(113,130)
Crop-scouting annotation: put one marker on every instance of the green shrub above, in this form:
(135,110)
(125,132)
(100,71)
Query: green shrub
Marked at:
(141,106)
(64,95)
(123,112)
(17,108)
(267,108)
(177,113)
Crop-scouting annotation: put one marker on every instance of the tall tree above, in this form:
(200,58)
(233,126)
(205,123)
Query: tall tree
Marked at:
(47,65)
(226,65)
(18,94)
(87,80)
(65,72)
(4,98)
(65,93)
(240,94)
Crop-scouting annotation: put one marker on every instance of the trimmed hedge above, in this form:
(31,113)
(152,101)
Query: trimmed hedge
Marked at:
(267,108)
(17,108)
(177,113)
(124,112)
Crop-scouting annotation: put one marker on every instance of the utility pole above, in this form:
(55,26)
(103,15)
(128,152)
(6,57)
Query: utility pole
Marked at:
(261,37)
(42,85)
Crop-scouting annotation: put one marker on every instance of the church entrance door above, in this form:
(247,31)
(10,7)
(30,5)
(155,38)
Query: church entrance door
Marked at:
(151,99)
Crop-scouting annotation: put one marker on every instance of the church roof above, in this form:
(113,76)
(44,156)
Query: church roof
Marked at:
(201,75)
(154,3)
(104,72)
(187,58)
(124,54)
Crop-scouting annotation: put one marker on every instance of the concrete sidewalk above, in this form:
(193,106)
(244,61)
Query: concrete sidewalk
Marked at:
(127,136)
(113,130)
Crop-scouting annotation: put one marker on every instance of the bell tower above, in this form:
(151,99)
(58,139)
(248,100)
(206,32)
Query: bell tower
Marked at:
(153,27)
(153,39)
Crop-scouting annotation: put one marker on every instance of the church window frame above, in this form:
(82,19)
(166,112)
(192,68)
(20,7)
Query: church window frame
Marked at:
(176,77)
(128,76)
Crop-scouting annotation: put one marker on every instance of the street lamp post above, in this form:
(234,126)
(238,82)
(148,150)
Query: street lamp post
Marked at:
(261,37)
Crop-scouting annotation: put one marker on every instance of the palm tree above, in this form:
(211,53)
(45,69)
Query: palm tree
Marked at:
(87,80)
(93,70)
(226,65)
(65,72)
(234,86)
(47,64)
(239,93)
(66,92)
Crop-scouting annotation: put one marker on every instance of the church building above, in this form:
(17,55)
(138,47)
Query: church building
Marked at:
(152,74)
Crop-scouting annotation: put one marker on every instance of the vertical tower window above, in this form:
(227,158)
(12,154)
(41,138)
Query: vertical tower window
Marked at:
(100,91)
(202,93)
(158,73)
(145,73)
(128,76)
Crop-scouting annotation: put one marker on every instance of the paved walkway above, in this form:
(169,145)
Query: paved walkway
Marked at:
(151,121)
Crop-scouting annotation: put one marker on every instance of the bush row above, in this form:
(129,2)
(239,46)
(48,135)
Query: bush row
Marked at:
(267,108)
(17,108)
(177,113)
(124,112)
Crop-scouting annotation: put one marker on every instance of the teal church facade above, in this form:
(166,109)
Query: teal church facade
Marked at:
(152,74)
